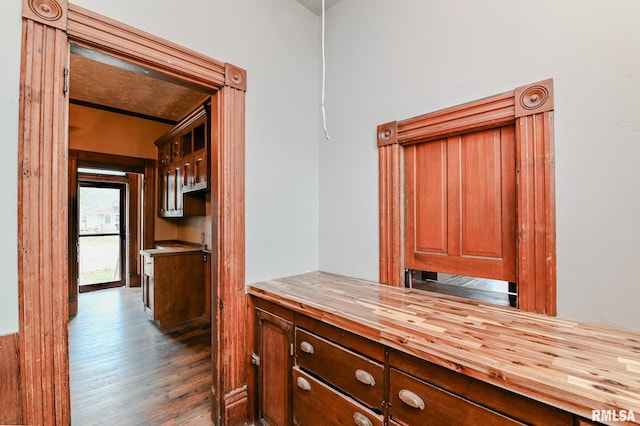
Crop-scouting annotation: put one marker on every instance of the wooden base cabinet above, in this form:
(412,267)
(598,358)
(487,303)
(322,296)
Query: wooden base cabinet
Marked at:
(316,403)
(313,373)
(173,286)
(273,356)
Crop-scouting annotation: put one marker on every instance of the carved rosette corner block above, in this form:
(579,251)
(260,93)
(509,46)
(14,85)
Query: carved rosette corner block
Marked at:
(534,98)
(388,133)
(48,12)
(235,77)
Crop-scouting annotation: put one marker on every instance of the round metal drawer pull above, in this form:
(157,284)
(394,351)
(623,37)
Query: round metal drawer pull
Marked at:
(411,399)
(360,419)
(307,347)
(365,377)
(303,384)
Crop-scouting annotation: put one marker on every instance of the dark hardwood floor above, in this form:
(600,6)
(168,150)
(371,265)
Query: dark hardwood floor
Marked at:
(126,371)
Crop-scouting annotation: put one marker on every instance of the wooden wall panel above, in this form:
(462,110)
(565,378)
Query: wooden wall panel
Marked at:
(427,173)
(461,204)
(10,391)
(42,226)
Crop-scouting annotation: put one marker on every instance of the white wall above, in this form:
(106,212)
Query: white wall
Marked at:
(394,60)
(10,29)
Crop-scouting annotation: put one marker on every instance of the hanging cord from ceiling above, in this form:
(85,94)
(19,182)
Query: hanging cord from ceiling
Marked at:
(324,68)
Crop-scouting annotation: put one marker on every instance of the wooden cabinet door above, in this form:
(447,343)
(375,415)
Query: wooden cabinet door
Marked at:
(200,170)
(274,344)
(461,204)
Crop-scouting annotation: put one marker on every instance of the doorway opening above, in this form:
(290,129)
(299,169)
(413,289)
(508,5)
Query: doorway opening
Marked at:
(43,194)
(487,290)
(102,236)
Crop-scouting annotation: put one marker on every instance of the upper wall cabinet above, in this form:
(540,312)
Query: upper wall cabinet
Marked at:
(183,167)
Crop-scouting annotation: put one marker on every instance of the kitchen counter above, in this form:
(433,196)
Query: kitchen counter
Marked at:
(574,366)
(172,247)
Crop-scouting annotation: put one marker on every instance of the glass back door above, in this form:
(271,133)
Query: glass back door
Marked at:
(101,241)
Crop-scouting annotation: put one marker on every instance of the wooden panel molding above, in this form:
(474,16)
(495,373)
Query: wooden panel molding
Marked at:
(534,98)
(388,133)
(52,13)
(530,109)
(235,77)
(10,397)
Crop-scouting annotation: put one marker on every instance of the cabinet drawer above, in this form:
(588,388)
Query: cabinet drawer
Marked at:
(354,374)
(315,403)
(415,402)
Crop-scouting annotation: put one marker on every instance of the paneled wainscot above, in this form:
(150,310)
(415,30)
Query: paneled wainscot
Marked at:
(330,349)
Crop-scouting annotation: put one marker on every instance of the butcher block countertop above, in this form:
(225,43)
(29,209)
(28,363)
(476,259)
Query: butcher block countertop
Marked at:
(574,366)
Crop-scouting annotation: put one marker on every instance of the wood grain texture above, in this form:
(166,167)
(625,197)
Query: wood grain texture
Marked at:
(460,205)
(573,366)
(126,371)
(42,226)
(536,213)
(392,261)
(230,400)
(10,395)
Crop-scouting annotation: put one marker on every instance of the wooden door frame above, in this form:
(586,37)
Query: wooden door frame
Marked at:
(48,26)
(530,109)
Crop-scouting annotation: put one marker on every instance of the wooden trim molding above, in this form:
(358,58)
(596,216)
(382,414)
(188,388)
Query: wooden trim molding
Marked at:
(392,260)
(230,399)
(494,111)
(43,201)
(235,77)
(388,133)
(114,38)
(52,13)
(42,225)
(530,108)
(535,169)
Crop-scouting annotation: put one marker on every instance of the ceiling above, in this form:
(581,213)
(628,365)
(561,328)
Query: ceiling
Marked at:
(104,82)
(316,5)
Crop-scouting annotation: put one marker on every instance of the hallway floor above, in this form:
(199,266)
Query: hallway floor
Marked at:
(125,371)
